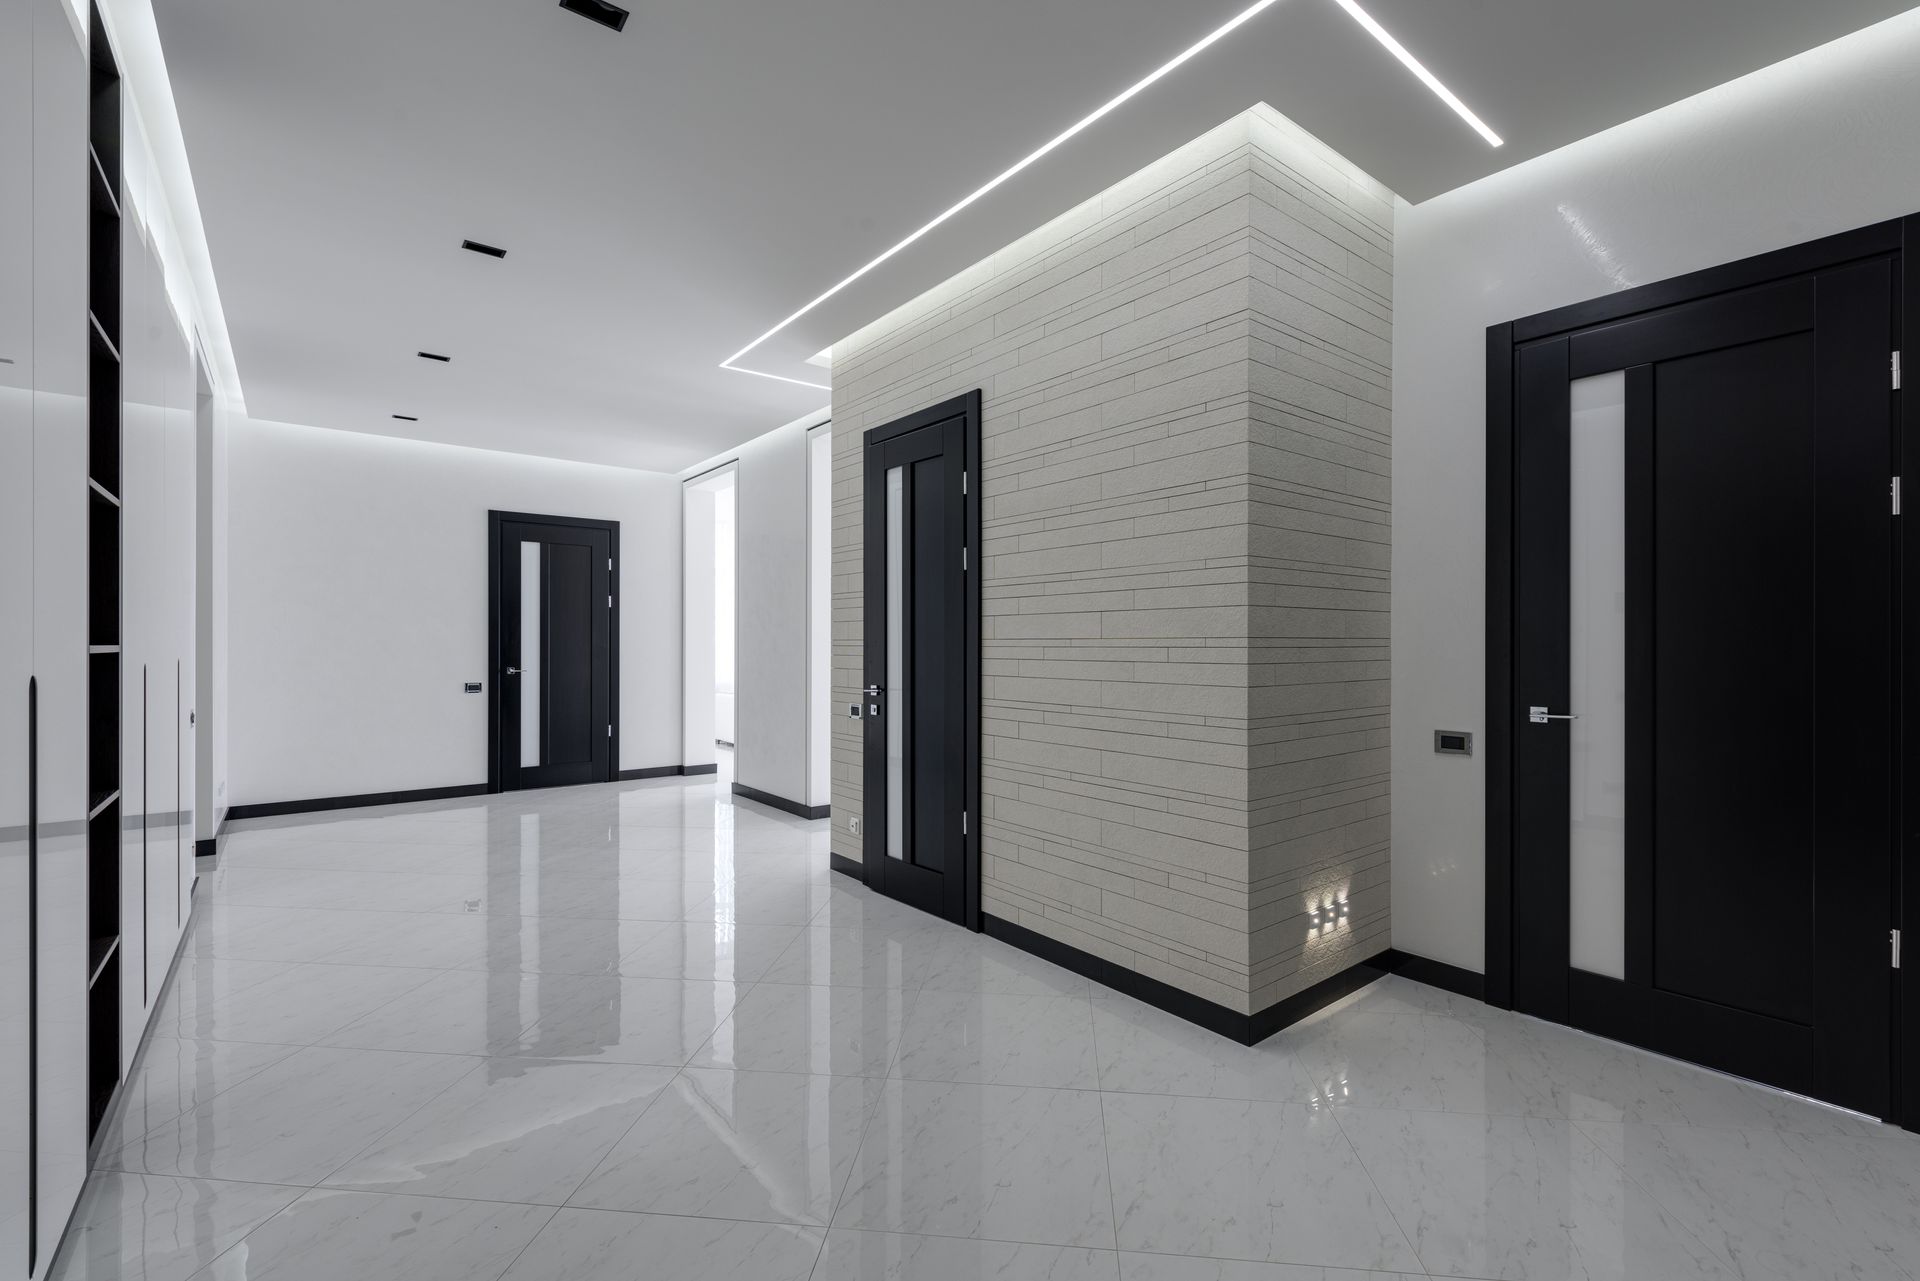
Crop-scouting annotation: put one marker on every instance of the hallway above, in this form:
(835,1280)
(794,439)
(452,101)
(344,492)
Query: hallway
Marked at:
(642,1030)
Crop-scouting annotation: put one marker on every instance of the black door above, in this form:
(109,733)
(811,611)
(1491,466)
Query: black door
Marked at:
(553,640)
(1704,576)
(922,628)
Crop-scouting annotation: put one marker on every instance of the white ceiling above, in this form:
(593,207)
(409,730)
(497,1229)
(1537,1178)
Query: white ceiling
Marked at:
(668,193)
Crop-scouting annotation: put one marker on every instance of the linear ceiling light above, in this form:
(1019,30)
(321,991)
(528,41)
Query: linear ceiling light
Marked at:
(1412,64)
(1099,113)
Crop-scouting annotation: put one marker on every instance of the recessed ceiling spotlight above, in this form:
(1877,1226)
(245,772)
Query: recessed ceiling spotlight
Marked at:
(1099,113)
(434,355)
(607,15)
(491,251)
(406,418)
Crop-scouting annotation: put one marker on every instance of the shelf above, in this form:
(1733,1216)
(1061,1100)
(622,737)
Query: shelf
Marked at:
(100,332)
(93,811)
(99,952)
(103,649)
(103,185)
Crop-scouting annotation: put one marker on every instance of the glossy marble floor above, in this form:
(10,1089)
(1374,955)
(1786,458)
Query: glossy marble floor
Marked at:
(640,1031)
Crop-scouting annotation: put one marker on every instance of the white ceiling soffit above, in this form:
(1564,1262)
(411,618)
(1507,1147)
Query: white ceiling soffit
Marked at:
(669,192)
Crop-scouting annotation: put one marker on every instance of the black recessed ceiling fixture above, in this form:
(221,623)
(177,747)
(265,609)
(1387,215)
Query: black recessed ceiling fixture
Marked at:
(434,355)
(407,418)
(607,15)
(491,251)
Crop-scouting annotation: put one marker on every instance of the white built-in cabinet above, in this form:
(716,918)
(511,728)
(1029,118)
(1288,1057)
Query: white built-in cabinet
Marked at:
(52,660)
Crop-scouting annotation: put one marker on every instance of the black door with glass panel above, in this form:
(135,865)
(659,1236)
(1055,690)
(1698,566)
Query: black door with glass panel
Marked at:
(1703,681)
(922,630)
(553,638)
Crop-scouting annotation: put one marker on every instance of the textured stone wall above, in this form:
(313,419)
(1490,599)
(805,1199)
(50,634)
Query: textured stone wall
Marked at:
(1186,433)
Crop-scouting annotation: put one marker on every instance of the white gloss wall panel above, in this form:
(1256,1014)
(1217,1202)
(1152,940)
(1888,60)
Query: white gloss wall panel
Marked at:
(59,608)
(697,582)
(819,616)
(358,606)
(1818,144)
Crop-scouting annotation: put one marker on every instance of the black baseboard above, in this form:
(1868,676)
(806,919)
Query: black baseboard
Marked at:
(315,805)
(848,867)
(713,768)
(1247,1029)
(1448,978)
(650,771)
(781,802)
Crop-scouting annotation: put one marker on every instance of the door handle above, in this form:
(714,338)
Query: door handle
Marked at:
(513,671)
(1540,716)
(874,691)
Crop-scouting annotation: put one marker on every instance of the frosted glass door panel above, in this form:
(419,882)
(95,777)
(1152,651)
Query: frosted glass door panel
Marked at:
(896,694)
(530,653)
(1598,679)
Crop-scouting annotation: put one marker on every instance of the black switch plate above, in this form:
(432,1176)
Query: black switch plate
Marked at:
(473,687)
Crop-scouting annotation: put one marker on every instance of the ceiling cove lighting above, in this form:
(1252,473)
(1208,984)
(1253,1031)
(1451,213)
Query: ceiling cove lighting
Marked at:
(1105,109)
(1412,64)
(407,418)
(434,355)
(491,251)
(607,15)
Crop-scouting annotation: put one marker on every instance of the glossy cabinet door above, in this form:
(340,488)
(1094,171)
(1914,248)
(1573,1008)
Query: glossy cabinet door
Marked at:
(60,203)
(16,625)
(139,556)
(176,863)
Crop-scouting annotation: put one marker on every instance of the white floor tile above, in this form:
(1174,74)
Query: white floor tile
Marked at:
(327,1236)
(599,1245)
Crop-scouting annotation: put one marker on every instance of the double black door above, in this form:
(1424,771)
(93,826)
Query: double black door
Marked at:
(1704,700)
(921,662)
(553,646)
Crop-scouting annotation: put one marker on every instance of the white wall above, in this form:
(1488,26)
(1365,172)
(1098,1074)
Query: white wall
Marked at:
(770,644)
(1815,145)
(697,701)
(358,606)
(726,599)
(819,615)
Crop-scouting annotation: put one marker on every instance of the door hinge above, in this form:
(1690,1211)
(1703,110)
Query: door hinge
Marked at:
(963,560)
(1896,948)
(1896,371)
(609,601)
(1895,490)
(609,562)
(963,475)
(963,822)
(609,731)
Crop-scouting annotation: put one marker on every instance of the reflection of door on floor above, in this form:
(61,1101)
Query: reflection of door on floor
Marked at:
(553,607)
(1703,642)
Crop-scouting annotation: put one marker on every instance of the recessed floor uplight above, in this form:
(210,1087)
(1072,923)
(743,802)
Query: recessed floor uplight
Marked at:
(491,251)
(607,15)
(434,355)
(406,418)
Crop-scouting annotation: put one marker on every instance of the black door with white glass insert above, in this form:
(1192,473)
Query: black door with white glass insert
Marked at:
(553,638)
(922,628)
(1702,715)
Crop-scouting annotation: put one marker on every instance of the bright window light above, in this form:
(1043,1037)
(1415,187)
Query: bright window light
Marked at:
(1099,113)
(1412,64)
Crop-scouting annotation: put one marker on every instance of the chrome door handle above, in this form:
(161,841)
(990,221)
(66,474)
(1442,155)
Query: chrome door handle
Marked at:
(874,691)
(1540,716)
(513,671)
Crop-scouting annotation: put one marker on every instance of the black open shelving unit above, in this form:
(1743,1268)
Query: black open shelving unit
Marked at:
(104,549)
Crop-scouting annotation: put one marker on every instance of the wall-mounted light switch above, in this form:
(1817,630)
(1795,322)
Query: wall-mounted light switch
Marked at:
(1452,742)
(473,687)
(853,825)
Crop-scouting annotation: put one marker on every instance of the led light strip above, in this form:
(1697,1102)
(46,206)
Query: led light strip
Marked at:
(1099,113)
(1412,64)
